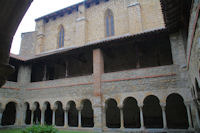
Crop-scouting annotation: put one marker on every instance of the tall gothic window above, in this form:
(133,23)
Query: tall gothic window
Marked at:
(109,23)
(61,37)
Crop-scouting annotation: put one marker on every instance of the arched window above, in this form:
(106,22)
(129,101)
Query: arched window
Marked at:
(109,23)
(112,114)
(59,114)
(61,35)
(37,114)
(48,114)
(152,112)
(131,113)
(176,112)
(87,119)
(28,114)
(9,114)
(72,114)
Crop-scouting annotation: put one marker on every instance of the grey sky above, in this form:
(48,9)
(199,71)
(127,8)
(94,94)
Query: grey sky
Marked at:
(37,9)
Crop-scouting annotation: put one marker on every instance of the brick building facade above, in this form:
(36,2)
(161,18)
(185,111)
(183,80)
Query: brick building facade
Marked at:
(109,66)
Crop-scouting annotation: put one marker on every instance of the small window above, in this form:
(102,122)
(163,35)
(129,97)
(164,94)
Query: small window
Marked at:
(109,23)
(61,37)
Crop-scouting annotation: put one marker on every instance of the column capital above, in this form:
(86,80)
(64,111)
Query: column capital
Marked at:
(79,108)
(163,105)
(54,108)
(120,107)
(187,103)
(140,105)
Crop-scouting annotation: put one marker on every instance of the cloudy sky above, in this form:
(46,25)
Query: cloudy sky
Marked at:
(37,9)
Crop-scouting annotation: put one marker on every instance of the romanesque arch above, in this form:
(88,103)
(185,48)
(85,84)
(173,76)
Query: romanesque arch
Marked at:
(48,114)
(28,114)
(152,112)
(112,114)
(37,113)
(176,112)
(87,119)
(131,113)
(9,114)
(59,114)
(72,114)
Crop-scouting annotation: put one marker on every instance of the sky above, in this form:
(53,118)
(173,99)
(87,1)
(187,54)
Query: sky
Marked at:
(37,9)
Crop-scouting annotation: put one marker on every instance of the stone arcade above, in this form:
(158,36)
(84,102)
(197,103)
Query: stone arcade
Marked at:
(108,66)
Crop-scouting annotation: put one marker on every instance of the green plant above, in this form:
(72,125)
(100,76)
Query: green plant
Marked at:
(40,129)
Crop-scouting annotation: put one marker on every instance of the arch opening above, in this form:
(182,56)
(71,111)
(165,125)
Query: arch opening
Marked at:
(112,114)
(131,113)
(28,114)
(87,119)
(59,114)
(72,115)
(9,114)
(37,114)
(176,112)
(152,112)
(48,114)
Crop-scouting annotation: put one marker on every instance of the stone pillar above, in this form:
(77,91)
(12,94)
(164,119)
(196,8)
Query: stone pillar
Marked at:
(43,116)
(24,107)
(197,116)
(178,51)
(81,26)
(164,116)
(32,116)
(79,117)
(19,115)
(53,117)
(121,117)
(66,118)
(98,70)
(189,115)
(1,113)
(24,74)
(104,118)
(135,17)
(141,118)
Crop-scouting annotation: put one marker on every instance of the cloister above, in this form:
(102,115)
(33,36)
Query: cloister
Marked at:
(173,114)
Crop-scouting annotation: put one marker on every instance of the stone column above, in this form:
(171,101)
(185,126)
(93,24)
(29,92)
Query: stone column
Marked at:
(98,70)
(164,116)
(104,118)
(189,115)
(197,116)
(43,116)
(66,118)
(1,113)
(79,117)
(121,117)
(53,117)
(32,116)
(141,118)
